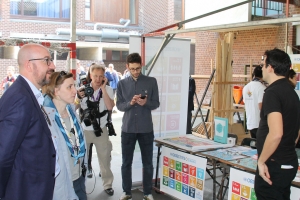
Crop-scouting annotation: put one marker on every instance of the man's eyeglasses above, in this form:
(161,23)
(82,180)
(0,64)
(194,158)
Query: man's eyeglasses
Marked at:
(135,69)
(47,60)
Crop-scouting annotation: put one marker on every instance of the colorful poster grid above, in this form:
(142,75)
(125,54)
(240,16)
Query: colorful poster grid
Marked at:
(182,176)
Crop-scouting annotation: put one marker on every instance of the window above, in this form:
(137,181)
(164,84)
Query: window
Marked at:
(101,10)
(178,11)
(114,55)
(57,9)
(87,10)
(267,8)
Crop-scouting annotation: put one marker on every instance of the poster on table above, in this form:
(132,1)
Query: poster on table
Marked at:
(295,59)
(241,186)
(182,174)
(171,71)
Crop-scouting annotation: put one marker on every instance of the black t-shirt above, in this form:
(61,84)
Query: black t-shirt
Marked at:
(280,97)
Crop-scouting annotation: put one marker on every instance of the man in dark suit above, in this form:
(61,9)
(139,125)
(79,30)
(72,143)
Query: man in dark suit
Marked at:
(27,153)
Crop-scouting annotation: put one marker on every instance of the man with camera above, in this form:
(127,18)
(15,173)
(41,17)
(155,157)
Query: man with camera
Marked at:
(96,100)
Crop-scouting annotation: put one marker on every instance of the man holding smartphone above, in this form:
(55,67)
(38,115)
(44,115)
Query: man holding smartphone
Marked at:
(137,95)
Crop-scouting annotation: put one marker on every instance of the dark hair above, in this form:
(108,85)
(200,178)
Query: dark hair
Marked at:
(134,58)
(279,60)
(291,73)
(257,72)
(56,79)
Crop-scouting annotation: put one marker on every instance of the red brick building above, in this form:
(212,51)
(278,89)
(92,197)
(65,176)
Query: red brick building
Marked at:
(19,19)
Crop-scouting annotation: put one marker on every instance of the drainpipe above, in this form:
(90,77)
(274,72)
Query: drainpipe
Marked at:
(104,33)
(125,23)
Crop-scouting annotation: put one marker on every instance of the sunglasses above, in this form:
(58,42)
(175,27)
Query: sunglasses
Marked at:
(61,74)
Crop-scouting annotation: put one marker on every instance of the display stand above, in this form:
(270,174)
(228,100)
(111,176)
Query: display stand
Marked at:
(222,104)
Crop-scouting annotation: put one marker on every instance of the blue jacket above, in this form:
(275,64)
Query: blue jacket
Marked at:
(114,82)
(27,153)
(63,182)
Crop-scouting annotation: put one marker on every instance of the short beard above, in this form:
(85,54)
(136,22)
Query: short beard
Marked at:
(43,81)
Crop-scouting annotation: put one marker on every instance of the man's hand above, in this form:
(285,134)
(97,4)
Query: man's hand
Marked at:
(135,99)
(264,172)
(103,86)
(80,93)
(142,101)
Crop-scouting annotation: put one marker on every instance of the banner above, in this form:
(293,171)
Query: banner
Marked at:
(171,71)
(241,186)
(182,174)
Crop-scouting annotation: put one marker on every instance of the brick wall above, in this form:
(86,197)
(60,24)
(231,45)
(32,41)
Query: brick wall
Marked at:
(248,45)
(153,15)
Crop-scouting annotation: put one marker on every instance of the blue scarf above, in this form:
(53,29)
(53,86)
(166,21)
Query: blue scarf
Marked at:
(49,103)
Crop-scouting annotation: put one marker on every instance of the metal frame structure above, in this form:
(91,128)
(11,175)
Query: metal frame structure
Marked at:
(169,35)
(71,46)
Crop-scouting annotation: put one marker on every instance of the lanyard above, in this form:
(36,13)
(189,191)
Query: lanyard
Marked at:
(78,134)
(98,96)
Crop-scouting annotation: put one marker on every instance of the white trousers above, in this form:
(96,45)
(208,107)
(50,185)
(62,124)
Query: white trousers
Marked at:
(104,147)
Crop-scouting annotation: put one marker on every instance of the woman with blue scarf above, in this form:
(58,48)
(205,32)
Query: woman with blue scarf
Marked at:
(65,128)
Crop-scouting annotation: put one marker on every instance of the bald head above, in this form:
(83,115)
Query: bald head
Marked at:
(35,64)
(31,51)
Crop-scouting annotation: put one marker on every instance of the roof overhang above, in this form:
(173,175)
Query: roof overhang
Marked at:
(270,23)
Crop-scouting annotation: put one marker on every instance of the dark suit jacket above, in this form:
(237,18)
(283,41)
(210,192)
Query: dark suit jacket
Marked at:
(27,154)
(192,89)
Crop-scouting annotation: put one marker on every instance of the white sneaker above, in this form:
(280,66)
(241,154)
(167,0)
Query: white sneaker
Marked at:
(125,196)
(148,197)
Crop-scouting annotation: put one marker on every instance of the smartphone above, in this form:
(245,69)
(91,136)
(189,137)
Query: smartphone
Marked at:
(143,97)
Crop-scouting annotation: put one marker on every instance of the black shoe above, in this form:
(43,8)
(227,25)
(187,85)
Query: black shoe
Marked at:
(99,174)
(89,173)
(110,191)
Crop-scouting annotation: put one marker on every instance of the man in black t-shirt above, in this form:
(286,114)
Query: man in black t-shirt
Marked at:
(278,130)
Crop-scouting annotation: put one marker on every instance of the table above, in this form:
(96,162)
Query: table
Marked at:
(191,145)
(240,157)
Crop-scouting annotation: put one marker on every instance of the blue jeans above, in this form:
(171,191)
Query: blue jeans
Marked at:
(145,141)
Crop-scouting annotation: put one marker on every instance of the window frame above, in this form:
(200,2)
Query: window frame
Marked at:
(126,11)
(28,17)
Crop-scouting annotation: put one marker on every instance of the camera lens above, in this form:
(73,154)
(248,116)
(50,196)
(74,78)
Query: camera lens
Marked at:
(87,121)
(89,91)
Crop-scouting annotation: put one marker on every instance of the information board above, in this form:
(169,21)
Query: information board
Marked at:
(182,174)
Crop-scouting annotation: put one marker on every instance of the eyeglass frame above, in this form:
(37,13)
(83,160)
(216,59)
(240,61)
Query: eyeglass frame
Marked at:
(135,69)
(48,60)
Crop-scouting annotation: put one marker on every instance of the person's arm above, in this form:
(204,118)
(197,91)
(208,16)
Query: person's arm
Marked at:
(260,96)
(259,105)
(122,103)
(297,137)
(14,121)
(152,102)
(272,141)
(108,101)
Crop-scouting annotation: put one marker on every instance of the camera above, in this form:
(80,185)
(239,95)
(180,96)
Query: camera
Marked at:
(111,130)
(90,115)
(88,90)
